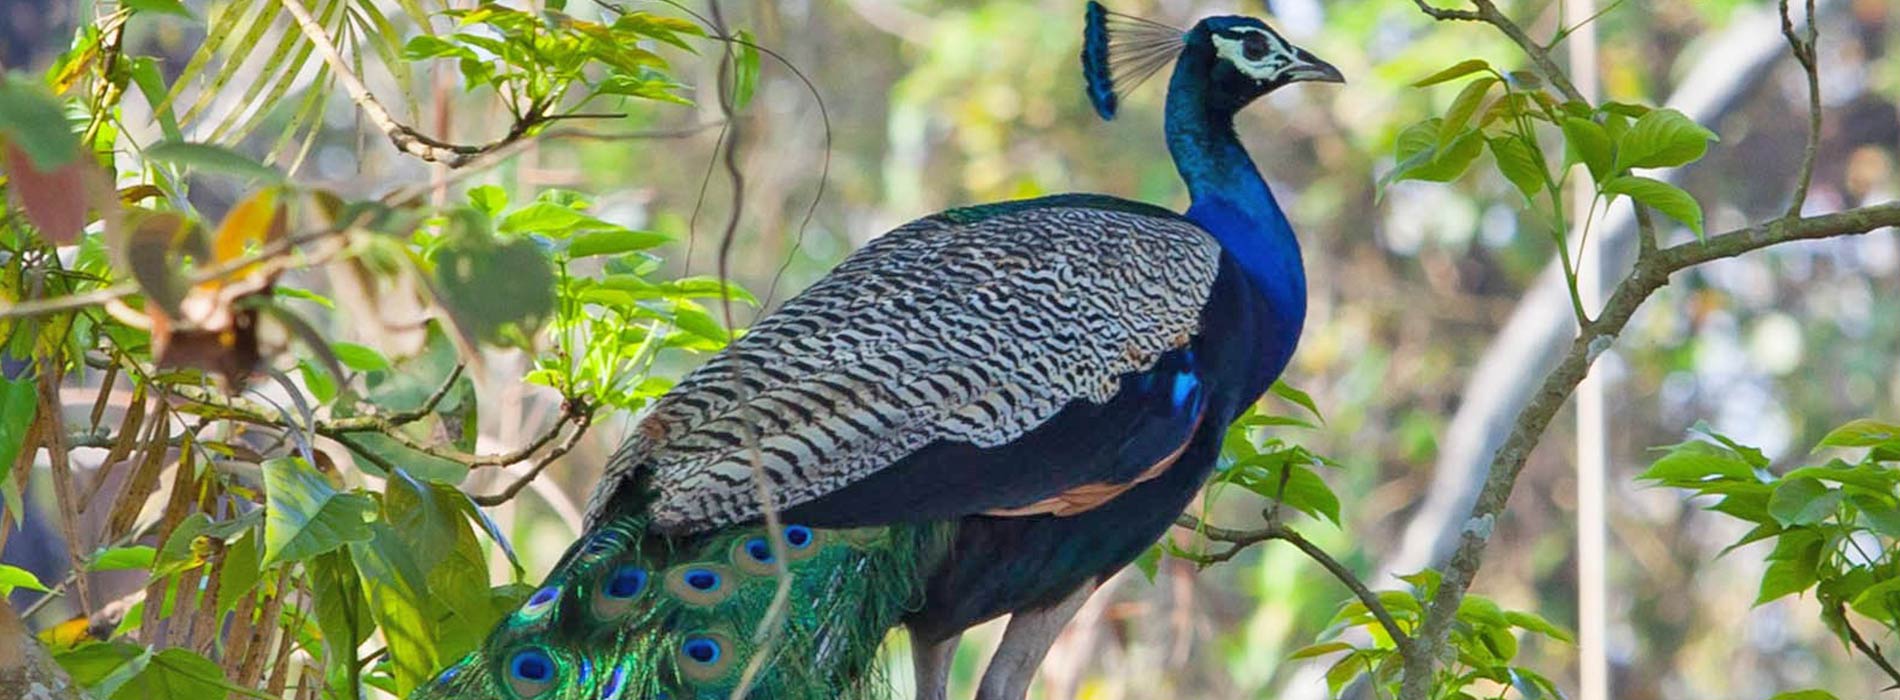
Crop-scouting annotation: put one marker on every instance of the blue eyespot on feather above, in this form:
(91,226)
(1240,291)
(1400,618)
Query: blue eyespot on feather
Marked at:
(532,665)
(541,602)
(530,672)
(798,536)
(1095,68)
(704,650)
(759,549)
(628,581)
(702,579)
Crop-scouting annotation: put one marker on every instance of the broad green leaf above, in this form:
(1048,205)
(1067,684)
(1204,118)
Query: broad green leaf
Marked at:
(1663,138)
(1866,476)
(1462,107)
(12,577)
(488,199)
(1788,577)
(426,47)
(151,83)
(133,558)
(321,382)
(178,674)
(33,121)
(1661,196)
(361,358)
(1455,72)
(1519,164)
(19,405)
(306,516)
(1692,463)
(549,219)
(498,292)
(242,568)
(1586,142)
(1862,433)
(1880,601)
(206,157)
(1419,158)
(105,668)
(1536,623)
(1803,502)
(342,615)
(613,242)
(1804,695)
(399,601)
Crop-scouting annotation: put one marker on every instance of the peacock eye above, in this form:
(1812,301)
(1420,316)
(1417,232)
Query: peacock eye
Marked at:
(704,650)
(759,550)
(1254,47)
(798,536)
(531,672)
(628,581)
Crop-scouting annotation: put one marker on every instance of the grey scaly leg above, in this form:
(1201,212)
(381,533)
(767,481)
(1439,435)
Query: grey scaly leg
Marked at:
(931,661)
(1025,642)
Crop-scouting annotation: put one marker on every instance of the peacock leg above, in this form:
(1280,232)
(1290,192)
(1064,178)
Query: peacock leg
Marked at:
(1025,642)
(931,659)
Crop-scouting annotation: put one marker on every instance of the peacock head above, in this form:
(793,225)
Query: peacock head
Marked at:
(1227,62)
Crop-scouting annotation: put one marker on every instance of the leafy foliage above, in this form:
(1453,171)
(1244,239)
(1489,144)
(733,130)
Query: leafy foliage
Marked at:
(1834,524)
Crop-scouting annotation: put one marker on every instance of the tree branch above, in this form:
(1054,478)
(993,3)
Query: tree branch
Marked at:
(1275,530)
(406,138)
(1872,652)
(582,419)
(1596,337)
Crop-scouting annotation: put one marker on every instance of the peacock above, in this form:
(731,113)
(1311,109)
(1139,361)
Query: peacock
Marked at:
(986,411)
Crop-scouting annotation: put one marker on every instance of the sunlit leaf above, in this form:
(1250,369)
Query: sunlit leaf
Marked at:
(12,577)
(306,516)
(1586,142)
(1463,69)
(134,557)
(1662,138)
(206,157)
(1661,196)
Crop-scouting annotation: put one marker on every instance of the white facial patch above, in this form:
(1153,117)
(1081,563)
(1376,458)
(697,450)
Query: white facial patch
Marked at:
(1278,59)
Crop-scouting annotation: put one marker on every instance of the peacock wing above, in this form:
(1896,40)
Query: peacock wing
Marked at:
(972,326)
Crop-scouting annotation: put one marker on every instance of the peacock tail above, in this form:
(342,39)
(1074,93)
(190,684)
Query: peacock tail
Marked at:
(628,615)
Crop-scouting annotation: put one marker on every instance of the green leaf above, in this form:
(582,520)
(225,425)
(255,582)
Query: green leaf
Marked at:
(1586,142)
(361,358)
(1789,576)
(1880,601)
(321,383)
(1804,695)
(1862,433)
(137,557)
(35,122)
(1320,649)
(488,199)
(1803,502)
(1149,562)
(105,668)
(1661,196)
(399,602)
(1693,463)
(1663,138)
(745,80)
(1420,158)
(19,405)
(1462,107)
(342,615)
(163,7)
(306,516)
(500,293)
(12,577)
(550,219)
(1519,163)
(206,157)
(178,674)
(1300,398)
(1536,623)
(1455,72)
(613,242)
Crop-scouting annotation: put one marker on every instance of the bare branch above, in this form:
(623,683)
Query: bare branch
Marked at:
(1803,48)
(582,419)
(1872,652)
(1276,530)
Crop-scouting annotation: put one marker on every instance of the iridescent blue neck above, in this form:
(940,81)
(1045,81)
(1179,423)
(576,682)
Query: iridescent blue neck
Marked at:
(1231,200)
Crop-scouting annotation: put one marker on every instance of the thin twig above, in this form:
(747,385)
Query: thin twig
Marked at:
(1804,52)
(583,418)
(1872,652)
(1487,12)
(1276,530)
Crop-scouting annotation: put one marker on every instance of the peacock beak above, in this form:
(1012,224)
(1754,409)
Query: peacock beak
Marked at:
(1311,69)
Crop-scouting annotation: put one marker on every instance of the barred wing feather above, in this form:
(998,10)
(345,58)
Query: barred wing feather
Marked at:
(974,325)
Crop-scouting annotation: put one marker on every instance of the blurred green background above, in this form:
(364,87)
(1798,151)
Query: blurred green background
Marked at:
(928,104)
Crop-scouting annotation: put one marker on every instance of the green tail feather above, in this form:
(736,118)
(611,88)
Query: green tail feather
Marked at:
(631,616)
